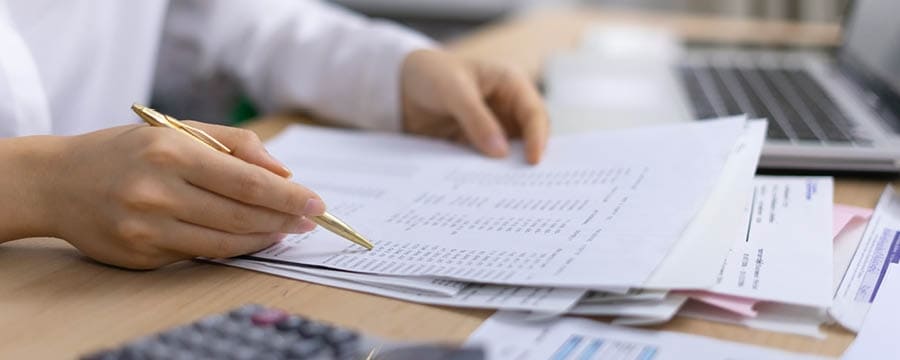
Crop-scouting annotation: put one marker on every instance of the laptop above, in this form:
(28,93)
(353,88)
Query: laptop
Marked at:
(826,113)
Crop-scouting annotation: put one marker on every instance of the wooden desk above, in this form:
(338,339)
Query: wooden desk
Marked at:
(55,303)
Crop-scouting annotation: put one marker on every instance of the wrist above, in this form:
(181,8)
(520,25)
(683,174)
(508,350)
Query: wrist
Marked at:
(30,167)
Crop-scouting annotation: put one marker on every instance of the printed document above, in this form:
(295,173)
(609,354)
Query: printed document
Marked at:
(506,336)
(877,339)
(878,248)
(601,210)
(786,255)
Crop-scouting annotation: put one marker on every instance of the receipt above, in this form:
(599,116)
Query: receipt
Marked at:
(878,248)
(786,255)
(876,339)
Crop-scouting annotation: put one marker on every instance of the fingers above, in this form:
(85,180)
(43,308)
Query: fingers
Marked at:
(233,178)
(196,240)
(210,210)
(479,124)
(530,115)
(245,145)
(513,98)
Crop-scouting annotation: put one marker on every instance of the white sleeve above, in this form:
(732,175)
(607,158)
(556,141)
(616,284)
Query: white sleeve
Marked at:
(23,103)
(289,54)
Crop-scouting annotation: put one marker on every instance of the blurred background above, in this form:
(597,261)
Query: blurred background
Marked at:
(444,20)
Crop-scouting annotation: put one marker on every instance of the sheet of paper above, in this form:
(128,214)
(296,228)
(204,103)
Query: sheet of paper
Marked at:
(505,336)
(786,255)
(783,318)
(878,248)
(735,304)
(634,312)
(845,244)
(579,219)
(845,214)
(438,287)
(472,296)
(695,260)
(877,339)
(598,297)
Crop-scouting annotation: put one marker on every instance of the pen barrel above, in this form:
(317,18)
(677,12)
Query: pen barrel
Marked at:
(335,225)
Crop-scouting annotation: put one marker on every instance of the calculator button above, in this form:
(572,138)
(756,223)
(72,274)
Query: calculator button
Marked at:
(219,348)
(183,355)
(194,340)
(279,342)
(268,317)
(211,322)
(159,351)
(246,311)
(243,353)
(305,349)
(338,336)
(230,328)
(314,330)
(253,335)
(346,350)
(290,323)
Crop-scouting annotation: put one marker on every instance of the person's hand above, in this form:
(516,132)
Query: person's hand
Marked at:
(482,103)
(142,197)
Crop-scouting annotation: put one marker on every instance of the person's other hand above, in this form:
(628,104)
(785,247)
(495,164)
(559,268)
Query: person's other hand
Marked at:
(482,103)
(142,197)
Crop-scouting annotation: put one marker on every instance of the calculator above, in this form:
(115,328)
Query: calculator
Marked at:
(258,332)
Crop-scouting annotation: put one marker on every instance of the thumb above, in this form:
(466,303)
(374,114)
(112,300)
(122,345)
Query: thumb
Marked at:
(245,145)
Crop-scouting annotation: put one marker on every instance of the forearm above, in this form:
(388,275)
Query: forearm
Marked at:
(25,166)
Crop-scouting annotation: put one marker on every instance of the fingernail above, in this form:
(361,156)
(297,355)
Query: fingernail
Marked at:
(284,170)
(497,146)
(287,172)
(276,238)
(314,207)
(305,225)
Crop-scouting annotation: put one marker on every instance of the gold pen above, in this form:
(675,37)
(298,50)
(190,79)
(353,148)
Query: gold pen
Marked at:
(326,220)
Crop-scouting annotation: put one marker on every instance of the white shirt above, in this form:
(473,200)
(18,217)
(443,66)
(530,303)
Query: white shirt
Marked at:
(73,66)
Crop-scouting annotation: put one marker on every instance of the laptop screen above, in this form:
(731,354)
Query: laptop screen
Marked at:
(871,48)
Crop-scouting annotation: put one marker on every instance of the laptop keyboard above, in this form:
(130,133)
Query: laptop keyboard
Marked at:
(797,107)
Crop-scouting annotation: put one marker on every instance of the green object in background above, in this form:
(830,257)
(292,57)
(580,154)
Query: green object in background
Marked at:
(243,111)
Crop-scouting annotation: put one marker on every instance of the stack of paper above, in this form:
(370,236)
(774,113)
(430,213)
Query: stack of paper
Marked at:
(639,224)
(507,336)
(605,212)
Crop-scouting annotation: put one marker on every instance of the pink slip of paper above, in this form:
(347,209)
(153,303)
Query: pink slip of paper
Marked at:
(845,214)
(738,305)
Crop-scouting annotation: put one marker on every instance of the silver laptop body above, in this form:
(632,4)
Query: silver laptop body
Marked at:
(831,113)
